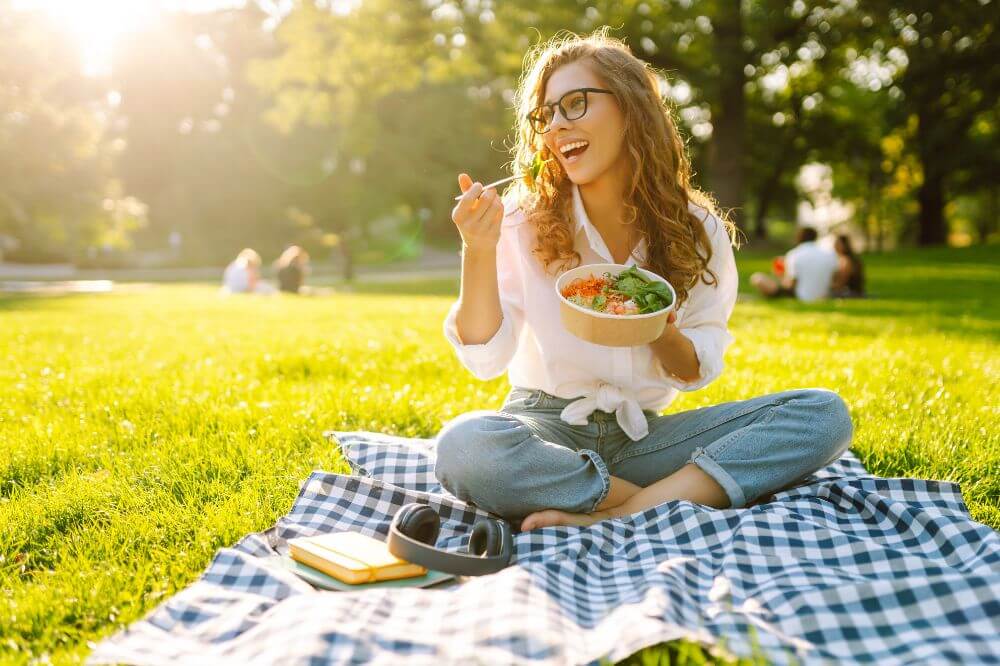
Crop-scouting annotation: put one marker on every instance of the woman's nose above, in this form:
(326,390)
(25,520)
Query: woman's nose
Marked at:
(559,120)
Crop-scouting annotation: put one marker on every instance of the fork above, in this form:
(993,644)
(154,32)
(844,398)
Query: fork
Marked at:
(499,182)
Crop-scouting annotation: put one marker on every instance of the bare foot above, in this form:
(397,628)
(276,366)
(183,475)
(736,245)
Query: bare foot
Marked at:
(550,517)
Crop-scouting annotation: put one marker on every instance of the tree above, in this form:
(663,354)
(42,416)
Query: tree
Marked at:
(335,71)
(195,148)
(949,79)
(57,194)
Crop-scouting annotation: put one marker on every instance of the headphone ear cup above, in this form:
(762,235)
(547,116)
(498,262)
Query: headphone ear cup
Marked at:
(420,522)
(486,539)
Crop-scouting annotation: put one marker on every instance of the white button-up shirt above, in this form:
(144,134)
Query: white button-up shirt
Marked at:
(813,268)
(538,353)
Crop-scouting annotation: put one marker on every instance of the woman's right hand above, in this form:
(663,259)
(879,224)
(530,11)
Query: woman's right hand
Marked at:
(477,217)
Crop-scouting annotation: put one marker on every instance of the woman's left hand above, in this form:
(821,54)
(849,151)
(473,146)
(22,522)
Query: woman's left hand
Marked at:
(669,330)
(675,352)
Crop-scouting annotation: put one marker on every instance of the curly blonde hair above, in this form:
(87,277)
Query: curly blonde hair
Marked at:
(656,201)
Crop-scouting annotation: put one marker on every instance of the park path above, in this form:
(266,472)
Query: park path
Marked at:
(433,264)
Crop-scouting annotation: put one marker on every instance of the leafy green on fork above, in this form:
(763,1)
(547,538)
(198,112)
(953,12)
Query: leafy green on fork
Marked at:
(535,170)
(530,175)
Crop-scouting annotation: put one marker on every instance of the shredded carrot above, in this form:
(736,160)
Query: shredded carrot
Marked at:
(585,287)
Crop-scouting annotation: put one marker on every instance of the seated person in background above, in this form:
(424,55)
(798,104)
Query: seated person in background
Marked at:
(292,267)
(809,271)
(242,275)
(849,280)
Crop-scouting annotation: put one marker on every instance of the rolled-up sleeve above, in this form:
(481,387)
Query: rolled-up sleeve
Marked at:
(704,318)
(490,359)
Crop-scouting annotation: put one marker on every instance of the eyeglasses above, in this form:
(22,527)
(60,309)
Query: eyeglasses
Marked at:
(572,105)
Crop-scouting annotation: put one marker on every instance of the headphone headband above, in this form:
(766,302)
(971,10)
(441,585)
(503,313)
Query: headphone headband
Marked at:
(427,555)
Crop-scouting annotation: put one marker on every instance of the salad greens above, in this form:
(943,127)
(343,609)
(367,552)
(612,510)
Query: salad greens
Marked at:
(535,170)
(649,295)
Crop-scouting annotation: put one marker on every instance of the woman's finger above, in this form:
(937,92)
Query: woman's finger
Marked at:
(496,211)
(491,215)
(478,208)
(464,182)
(482,210)
(500,212)
(468,201)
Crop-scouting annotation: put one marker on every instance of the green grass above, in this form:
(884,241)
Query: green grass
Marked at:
(141,431)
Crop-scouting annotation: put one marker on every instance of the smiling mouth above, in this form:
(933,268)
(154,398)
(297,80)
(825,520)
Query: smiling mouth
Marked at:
(578,149)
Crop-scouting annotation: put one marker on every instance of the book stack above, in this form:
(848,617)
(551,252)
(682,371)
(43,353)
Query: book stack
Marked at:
(351,560)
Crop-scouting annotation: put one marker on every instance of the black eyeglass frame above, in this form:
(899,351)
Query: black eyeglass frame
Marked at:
(533,118)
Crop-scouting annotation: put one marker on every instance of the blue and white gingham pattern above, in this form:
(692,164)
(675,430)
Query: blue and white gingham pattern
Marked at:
(844,568)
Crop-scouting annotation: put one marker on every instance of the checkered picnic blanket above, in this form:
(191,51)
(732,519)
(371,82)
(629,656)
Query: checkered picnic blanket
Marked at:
(845,568)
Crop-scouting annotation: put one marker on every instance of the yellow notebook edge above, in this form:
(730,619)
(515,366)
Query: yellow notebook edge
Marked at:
(302,550)
(312,559)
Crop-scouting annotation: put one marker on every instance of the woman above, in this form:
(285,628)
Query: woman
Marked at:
(849,280)
(291,267)
(242,275)
(579,438)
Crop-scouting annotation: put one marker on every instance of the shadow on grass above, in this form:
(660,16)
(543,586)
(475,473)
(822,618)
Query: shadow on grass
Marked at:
(433,287)
(968,318)
(32,301)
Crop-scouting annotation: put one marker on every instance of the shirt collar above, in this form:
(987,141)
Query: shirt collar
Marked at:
(594,238)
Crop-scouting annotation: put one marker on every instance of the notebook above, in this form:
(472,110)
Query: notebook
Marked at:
(352,557)
(320,580)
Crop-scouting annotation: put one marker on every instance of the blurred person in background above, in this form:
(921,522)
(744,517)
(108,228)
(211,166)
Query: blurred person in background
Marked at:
(242,275)
(807,271)
(849,280)
(292,267)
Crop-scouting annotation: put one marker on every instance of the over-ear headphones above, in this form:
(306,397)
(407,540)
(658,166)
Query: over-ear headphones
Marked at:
(414,532)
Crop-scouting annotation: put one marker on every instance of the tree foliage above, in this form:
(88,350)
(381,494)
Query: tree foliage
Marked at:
(342,125)
(57,192)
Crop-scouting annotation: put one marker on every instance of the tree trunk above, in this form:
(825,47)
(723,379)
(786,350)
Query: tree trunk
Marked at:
(348,254)
(759,223)
(879,221)
(987,221)
(774,178)
(931,220)
(729,116)
(930,146)
(764,203)
(867,221)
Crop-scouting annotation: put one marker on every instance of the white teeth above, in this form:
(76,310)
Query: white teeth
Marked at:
(570,146)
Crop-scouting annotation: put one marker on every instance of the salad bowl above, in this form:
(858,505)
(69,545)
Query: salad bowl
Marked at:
(614,305)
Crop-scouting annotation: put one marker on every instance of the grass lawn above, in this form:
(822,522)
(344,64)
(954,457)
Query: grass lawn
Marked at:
(140,431)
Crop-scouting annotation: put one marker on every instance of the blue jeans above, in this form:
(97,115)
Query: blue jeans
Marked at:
(524,458)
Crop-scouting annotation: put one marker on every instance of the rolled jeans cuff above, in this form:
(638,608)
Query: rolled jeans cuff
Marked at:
(737,500)
(602,469)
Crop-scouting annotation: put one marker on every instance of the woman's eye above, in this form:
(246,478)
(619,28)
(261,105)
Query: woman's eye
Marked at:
(576,103)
